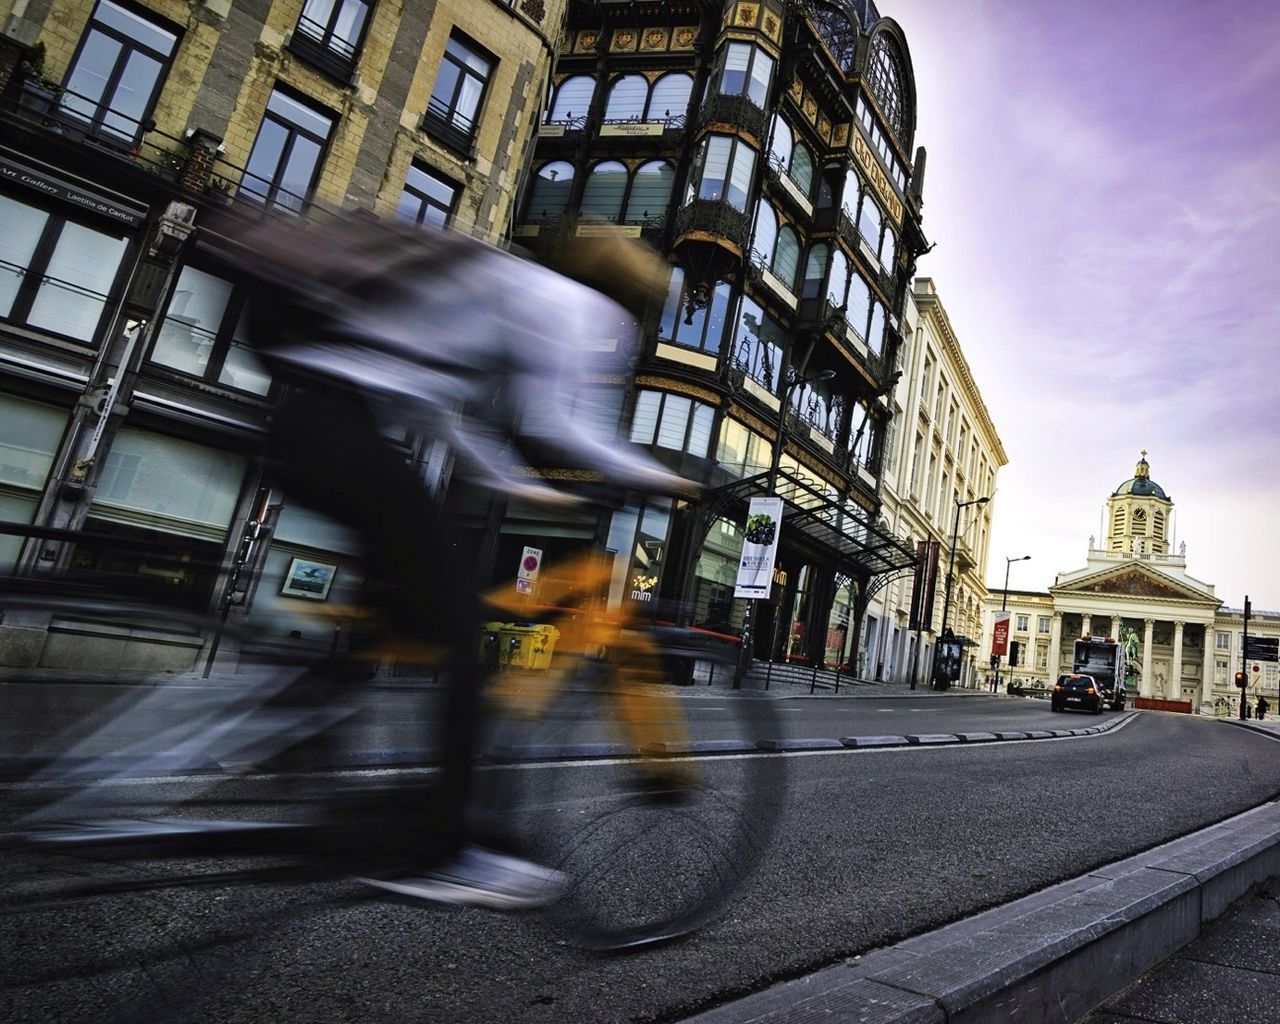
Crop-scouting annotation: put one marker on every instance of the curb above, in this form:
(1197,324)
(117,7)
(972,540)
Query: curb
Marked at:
(16,766)
(1050,956)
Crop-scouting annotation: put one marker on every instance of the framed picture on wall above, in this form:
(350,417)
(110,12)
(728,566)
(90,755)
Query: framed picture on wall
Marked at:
(307,579)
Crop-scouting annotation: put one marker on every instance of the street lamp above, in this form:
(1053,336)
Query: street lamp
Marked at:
(775,460)
(951,563)
(1004,600)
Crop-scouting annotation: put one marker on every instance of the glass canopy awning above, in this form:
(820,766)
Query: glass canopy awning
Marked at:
(811,508)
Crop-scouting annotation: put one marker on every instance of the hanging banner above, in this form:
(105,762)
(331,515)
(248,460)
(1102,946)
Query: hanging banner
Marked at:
(759,548)
(1000,634)
(925,583)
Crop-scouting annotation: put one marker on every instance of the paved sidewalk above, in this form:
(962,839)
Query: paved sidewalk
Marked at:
(1230,975)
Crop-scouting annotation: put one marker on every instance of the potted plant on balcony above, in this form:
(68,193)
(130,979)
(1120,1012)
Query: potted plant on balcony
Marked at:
(39,94)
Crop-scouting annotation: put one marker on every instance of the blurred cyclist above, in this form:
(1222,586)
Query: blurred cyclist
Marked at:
(367,322)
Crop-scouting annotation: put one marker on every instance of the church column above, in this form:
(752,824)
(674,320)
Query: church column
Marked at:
(1116,623)
(1055,647)
(1086,624)
(1174,686)
(1208,670)
(1148,638)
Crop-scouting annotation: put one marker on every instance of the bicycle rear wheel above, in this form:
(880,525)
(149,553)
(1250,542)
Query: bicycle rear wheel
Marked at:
(654,841)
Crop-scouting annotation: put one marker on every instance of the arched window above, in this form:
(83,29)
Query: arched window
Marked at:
(786,257)
(780,144)
(888,249)
(627,96)
(765,233)
(670,97)
(875,333)
(801,170)
(815,269)
(859,303)
(757,345)
(550,191)
(602,196)
(869,222)
(849,199)
(886,75)
(650,191)
(573,99)
(837,279)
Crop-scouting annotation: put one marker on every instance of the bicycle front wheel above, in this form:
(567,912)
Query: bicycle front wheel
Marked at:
(654,835)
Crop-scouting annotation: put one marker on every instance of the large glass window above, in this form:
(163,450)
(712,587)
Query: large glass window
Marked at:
(605,187)
(549,194)
(115,76)
(573,99)
(817,404)
(723,169)
(815,270)
(800,170)
(330,31)
(453,112)
(875,332)
(786,257)
(764,235)
(627,96)
(204,333)
(741,450)
(781,144)
(427,198)
(669,98)
(864,430)
(672,421)
(757,345)
(837,279)
(745,70)
(700,327)
(650,191)
(286,157)
(55,274)
(29,436)
(859,304)
(869,222)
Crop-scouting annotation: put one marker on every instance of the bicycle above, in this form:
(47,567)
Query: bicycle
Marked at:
(653,841)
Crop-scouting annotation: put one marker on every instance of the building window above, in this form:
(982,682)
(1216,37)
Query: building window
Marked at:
(650,192)
(606,185)
(669,99)
(454,109)
(549,193)
(672,421)
(800,170)
(837,279)
(865,429)
(55,274)
(427,198)
(572,100)
(885,78)
(116,74)
(757,345)
(764,236)
(1022,623)
(722,171)
(741,450)
(329,33)
(1042,624)
(286,157)
(816,404)
(744,70)
(627,97)
(699,327)
(815,271)
(1222,641)
(781,144)
(204,333)
(869,223)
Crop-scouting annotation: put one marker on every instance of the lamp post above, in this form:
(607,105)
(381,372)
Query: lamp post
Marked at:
(951,564)
(1004,600)
(771,482)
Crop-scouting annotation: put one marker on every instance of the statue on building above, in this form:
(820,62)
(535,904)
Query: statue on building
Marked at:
(1129,637)
(1182,550)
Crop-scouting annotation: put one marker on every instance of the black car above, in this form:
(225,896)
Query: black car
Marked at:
(1077,692)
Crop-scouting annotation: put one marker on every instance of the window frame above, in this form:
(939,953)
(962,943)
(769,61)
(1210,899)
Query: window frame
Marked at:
(529,215)
(442,121)
(428,202)
(690,419)
(698,175)
(94,124)
(673,328)
(270,200)
(35,275)
(321,52)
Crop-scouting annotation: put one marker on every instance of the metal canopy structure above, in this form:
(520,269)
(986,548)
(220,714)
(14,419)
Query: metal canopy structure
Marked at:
(842,529)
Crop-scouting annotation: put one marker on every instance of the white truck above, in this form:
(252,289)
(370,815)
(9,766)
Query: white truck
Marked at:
(1102,657)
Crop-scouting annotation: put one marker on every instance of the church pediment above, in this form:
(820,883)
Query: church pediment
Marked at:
(1134,582)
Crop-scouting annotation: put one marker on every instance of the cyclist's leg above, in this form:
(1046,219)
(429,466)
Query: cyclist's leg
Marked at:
(332,457)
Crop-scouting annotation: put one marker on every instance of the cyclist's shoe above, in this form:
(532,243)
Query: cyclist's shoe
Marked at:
(477,877)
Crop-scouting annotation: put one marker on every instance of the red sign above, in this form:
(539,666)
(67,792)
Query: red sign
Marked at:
(1000,634)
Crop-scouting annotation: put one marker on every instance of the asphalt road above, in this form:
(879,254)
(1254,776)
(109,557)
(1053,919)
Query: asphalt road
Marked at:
(873,846)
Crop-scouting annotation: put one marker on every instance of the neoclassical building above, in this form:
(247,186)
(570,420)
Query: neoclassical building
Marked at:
(1184,645)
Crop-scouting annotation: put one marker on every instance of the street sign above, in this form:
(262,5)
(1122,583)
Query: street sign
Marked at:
(530,563)
(1262,648)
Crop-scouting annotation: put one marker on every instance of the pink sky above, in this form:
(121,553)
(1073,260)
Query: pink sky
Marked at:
(1103,186)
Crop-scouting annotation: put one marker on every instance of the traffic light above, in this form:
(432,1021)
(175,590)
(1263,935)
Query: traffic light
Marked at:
(1241,681)
(1014,649)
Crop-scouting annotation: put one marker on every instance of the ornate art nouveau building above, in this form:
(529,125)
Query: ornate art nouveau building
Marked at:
(1135,586)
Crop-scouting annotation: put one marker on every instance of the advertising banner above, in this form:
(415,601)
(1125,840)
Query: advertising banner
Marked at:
(1000,634)
(759,548)
(925,583)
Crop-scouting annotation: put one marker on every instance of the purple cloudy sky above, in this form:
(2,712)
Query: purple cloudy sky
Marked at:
(1103,185)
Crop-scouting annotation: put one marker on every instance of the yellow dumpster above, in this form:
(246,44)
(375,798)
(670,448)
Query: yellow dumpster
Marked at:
(512,645)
